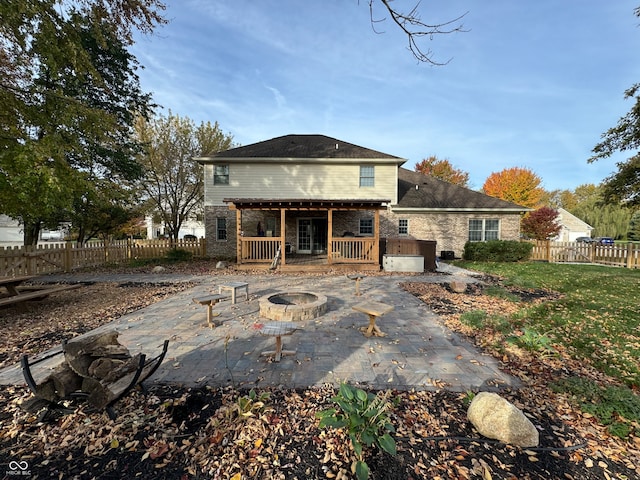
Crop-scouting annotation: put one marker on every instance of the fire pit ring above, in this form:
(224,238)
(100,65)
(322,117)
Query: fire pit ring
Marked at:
(293,306)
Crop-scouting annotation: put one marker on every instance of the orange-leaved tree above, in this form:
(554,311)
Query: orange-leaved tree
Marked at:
(442,169)
(517,185)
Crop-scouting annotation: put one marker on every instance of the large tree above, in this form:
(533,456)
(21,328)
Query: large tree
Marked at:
(415,28)
(69,94)
(623,185)
(442,169)
(517,185)
(173,181)
(541,224)
(608,219)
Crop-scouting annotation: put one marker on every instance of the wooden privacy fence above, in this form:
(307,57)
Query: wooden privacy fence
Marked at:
(620,255)
(66,257)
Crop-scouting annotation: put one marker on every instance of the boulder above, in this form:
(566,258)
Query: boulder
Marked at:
(458,287)
(221,265)
(494,417)
(158,269)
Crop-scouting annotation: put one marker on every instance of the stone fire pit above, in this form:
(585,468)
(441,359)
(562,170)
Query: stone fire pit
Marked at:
(293,306)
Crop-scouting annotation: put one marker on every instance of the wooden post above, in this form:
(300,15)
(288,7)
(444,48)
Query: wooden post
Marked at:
(330,236)
(376,234)
(548,251)
(283,235)
(238,235)
(629,255)
(68,258)
(32,261)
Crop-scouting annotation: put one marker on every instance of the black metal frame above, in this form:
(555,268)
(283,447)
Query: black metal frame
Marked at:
(136,380)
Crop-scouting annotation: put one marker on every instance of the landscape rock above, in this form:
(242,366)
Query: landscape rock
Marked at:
(458,287)
(494,417)
(158,269)
(221,265)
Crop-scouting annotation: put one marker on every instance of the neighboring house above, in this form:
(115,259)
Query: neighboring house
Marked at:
(572,227)
(189,227)
(321,197)
(10,231)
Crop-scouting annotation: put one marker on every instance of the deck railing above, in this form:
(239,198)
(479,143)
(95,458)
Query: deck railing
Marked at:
(258,249)
(343,250)
(353,250)
(621,255)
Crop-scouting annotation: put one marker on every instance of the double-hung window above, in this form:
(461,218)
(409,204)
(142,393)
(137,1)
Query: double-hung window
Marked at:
(483,229)
(366,226)
(221,174)
(367,176)
(221,228)
(403,226)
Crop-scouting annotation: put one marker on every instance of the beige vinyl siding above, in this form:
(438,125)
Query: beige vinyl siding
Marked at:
(300,181)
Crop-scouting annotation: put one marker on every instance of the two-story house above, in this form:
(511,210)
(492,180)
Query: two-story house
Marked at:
(316,197)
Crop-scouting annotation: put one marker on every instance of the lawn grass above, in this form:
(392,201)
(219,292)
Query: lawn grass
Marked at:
(596,319)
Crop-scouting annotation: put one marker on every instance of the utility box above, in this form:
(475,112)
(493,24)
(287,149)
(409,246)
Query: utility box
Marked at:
(403,263)
(447,255)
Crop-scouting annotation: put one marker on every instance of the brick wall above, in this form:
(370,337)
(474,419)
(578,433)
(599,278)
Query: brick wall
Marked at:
(449,230)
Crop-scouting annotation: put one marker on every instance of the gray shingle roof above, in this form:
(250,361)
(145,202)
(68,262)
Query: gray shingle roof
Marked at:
(303,146)
(435,193)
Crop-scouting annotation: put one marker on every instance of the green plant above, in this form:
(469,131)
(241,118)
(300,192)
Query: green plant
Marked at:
(178,255)
(500,292)
(468,398)
(474,318)
(615,406)
(532,341)
(365,417)
(250,404)
(497,251)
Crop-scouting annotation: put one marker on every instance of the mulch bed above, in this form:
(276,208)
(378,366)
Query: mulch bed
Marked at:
(180,433)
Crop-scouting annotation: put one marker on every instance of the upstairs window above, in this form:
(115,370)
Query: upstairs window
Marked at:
(366,226)
(367,176)
(221,228)
(403,226)
(482,230)
(221,174)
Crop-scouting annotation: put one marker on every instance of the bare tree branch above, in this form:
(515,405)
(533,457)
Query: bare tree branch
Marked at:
(413,26)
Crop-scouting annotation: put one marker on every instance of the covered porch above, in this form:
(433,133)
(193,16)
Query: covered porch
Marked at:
(306,235)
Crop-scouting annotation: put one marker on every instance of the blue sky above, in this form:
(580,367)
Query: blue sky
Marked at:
(530,84)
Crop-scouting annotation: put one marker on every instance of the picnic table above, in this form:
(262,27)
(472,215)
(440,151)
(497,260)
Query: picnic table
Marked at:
(12,283)
(18,296)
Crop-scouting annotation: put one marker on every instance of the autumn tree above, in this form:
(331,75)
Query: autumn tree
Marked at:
(442,169)
(541,224)
(624,185)
(172,183)
(517,185)
(69,94)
